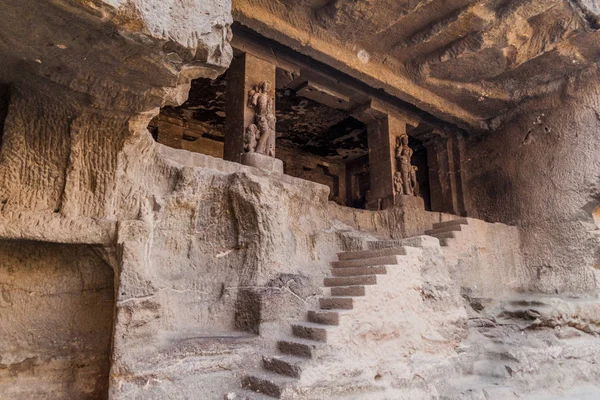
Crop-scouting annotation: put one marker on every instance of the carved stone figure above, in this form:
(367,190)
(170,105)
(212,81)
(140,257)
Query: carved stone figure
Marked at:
(251,138)
(368,197)
(413,180)
(407,174)
(398,187)
(264,119)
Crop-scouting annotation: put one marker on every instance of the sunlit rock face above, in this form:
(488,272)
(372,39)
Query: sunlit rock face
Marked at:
(82,80)
(129,269)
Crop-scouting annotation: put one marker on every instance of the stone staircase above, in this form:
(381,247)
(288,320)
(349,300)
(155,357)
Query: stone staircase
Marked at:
(449,231)
(354,277)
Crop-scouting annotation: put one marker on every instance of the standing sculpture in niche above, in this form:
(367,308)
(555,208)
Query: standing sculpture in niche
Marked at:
(405,179)
(260,136)
(413,180)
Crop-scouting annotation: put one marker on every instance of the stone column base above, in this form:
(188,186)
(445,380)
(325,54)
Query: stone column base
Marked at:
(403,201)
(408,201)
(263,162)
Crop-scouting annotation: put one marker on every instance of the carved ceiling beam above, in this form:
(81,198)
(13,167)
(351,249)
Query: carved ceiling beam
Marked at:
(332,84)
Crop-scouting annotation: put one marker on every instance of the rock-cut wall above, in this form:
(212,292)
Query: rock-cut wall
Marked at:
(541,172)
(56,321)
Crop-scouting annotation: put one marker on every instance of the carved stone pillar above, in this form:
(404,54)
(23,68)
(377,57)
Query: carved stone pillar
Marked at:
(439,184)
(247,75)
(382,135)
(447,174)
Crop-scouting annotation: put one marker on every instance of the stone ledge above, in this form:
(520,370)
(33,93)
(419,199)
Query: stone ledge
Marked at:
(56,228)
(263,162)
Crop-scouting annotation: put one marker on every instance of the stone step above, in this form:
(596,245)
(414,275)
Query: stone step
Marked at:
(268,383)
(246,395)
(310,330)
(395,251)
(326,317)
(301,347)
(366,262)
(284,365)
(413,245)
(342,303)
(351,280)
(459,221)
(446,235)
(451,228)
(348,291)
(358,271)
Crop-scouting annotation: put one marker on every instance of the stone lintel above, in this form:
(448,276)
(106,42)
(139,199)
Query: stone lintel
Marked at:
(375,109)
(323,95)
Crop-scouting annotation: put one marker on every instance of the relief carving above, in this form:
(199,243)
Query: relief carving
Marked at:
(405,179)
(260,136)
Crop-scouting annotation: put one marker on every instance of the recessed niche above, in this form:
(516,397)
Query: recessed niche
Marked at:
(56,321)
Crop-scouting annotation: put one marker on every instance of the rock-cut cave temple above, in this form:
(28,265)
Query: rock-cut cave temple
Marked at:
(300,199)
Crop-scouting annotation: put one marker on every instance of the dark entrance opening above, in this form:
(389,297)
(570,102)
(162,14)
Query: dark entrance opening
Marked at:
(197,125)
(316,137)
(419,160)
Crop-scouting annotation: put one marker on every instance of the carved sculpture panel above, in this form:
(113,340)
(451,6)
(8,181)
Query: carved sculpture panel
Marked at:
(260,135)
(405,178)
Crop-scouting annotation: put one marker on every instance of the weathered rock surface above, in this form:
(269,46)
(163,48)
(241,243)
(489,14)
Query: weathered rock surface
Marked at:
(79,82)
(212,261)
(464,61)
(528,347)
(84,79)
(541,173)
(56,321)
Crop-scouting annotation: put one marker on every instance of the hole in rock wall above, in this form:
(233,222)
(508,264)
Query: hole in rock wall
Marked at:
(56,321)
(4,102)
(198,125)
(315,141)
(358,181)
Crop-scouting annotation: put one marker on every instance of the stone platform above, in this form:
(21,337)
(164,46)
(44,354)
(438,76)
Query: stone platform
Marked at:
(404,201)
(263,162)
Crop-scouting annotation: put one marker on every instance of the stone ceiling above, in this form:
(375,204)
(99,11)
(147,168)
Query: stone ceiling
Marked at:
(464,61)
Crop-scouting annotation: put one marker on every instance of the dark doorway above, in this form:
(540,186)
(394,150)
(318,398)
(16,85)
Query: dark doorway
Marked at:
(419,160)
(197,125)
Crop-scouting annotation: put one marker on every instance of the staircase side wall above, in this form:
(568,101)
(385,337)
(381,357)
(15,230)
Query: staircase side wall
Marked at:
(485,259)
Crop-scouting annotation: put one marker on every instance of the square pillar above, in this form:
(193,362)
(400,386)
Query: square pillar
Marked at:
(440,175)
(245,73)
(382,134)
(447,175)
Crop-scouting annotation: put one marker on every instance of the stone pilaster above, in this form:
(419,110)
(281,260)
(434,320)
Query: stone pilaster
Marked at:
(447,174)
(382,135)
